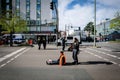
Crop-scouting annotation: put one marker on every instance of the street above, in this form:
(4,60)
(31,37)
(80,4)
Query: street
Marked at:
(29,63)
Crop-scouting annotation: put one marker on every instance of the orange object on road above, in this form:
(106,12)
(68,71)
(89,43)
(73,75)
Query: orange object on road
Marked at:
(62,60)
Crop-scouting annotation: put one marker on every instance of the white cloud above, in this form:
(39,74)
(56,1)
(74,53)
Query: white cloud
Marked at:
(81,15)
(112,3)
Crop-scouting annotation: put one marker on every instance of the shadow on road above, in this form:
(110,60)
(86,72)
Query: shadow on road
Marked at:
(86,63)
(89,63)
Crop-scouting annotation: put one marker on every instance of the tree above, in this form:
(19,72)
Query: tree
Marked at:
(115,23)
(13,24)
(89,27)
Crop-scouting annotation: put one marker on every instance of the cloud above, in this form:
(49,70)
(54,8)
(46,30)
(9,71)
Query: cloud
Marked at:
(80,15)
(110,3)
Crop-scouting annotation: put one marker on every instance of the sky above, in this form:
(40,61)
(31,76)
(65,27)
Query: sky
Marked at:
(80,12)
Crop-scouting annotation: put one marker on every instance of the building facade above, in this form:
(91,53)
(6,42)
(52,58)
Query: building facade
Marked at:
(37,13)
(40,18)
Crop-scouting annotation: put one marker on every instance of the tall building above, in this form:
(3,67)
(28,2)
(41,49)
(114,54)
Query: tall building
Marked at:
(36,12)
(6,7)
(41,20)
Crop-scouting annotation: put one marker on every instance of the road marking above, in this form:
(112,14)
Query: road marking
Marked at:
(14,58)
(102,58)
(11,54)
(2,65)
(113,62)
(95,55)
(105,53)
(107,49)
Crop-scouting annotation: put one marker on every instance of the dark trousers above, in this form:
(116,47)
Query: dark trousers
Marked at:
(75,57)
(39,46)
(63,47)
(44,45)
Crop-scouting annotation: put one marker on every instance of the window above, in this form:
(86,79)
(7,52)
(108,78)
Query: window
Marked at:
(38,9)
(17,7)
(8,7)
(17,1)
(28,18)
(38,0)
(7,15)
(28,14)
(7,1)
(27,9)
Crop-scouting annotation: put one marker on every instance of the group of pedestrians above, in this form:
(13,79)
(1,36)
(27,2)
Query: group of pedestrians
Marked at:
(75,49)
(41,41)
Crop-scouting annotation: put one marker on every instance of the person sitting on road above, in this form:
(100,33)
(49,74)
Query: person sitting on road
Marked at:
(61,61)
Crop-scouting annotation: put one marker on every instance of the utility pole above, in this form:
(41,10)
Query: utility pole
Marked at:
(54,6)
(94,22)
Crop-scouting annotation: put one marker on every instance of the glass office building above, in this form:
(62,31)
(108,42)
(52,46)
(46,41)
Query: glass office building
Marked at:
(37,13)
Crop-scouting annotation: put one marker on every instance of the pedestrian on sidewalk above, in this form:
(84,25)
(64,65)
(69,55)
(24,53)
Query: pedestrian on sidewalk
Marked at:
(75,51)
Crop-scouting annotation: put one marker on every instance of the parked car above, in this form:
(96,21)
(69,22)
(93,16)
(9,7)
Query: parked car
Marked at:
(17,38)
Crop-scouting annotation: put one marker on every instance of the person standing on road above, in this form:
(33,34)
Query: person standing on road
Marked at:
(75,51)
(63,43)
(44,43)
(39,42)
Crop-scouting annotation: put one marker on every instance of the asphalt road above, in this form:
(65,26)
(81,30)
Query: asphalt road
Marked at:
(30,64)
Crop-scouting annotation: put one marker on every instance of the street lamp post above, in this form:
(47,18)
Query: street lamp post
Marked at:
(94,22)
(67,28)
(53,6)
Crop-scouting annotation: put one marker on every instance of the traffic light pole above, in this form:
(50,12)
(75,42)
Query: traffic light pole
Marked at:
(53,6)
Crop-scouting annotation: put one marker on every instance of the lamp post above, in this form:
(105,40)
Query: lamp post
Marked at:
(53,6)
(94,22)
(67,28)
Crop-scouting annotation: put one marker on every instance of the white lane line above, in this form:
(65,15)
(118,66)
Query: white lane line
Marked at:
(105,53)
(95,55)
(119,64)
(114,62)
(107,49)
(105,59)
(11,54)
(14,58)
(2,65)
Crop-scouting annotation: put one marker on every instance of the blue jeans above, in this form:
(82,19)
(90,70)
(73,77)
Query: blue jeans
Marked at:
(74,55)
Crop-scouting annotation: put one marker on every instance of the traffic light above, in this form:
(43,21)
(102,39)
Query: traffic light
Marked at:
(79,28)
(52,5)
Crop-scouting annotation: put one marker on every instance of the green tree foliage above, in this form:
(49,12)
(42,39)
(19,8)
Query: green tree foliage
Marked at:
(14,24)
(89,27)
(115,23)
